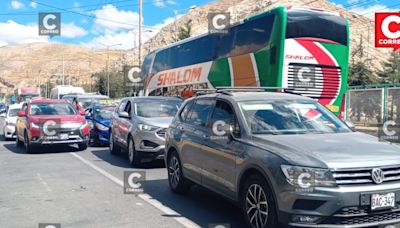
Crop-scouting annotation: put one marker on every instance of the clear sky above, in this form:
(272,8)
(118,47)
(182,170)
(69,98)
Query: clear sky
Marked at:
(93,22)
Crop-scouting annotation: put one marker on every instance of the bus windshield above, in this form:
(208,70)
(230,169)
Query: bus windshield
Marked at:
(311,24)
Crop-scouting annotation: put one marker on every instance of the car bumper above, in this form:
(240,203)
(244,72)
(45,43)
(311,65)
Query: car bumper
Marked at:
(9,132)
(149,141)
(70,140)
(338,207)
(100,136)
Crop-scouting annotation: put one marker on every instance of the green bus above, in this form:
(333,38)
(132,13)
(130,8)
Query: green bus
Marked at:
(305,50)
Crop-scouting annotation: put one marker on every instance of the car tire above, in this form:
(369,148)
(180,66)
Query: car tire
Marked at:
(29,149)
(82,146)
(114,148)
(132,154)
(177,182)
(94,142)
(18,142)
(258,211)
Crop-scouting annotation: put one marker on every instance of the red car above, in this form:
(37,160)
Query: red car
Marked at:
(50,122)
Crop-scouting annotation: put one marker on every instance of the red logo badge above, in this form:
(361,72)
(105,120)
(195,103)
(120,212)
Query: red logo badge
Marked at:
(387,30)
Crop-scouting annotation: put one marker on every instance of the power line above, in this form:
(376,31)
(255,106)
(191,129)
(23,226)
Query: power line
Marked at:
(90,16)
(23,13)
(368,12)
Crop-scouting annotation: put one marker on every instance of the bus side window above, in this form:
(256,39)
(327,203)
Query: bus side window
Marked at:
(224,45)
(253,35)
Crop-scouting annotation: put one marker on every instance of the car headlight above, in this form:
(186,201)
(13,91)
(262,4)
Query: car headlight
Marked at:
(84,125)
(101,127)
(305,177)
(34,125)
(146,127)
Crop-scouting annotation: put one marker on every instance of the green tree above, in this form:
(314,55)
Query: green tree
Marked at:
(391,69)
(360,74)
(359,69)
(116,83)
(184,32)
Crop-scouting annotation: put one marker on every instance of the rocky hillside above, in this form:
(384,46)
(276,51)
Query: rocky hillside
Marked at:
(360,25)
(33,64)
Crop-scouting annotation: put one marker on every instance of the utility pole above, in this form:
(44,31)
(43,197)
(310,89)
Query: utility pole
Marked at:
(140,30)
(107,65)
(63,69)
(107,73)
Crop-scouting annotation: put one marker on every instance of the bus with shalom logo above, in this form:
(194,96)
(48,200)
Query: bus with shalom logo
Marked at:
(303,49)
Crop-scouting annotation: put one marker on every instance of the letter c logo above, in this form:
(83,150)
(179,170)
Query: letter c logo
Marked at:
(46,21)
(216,19)
(385,27)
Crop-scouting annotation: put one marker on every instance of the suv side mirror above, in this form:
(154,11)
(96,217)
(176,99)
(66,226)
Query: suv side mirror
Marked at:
(21,114)
(124,115)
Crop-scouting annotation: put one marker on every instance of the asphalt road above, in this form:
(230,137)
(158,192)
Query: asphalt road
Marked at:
(85,189)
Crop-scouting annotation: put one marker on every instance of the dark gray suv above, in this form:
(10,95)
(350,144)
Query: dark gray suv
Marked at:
(285,159)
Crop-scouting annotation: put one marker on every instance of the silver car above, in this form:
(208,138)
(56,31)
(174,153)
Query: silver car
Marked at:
(285,159)
(138,126)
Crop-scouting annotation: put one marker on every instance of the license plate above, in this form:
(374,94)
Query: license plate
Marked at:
(63,136)
(379,201)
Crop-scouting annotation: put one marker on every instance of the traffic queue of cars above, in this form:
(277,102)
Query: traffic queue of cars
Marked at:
(284,159)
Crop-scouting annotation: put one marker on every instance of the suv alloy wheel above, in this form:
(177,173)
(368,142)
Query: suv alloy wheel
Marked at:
(177,182)
(257,203)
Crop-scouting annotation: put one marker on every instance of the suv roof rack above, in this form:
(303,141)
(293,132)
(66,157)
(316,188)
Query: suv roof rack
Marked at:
(229,90)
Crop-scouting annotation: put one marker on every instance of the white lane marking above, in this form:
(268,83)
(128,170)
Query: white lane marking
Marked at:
(46,186)
(146,197)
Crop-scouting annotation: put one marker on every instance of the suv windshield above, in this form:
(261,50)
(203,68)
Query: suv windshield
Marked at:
(153,109)
(86,102)
(290,117)
(310,24)
(52,109)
